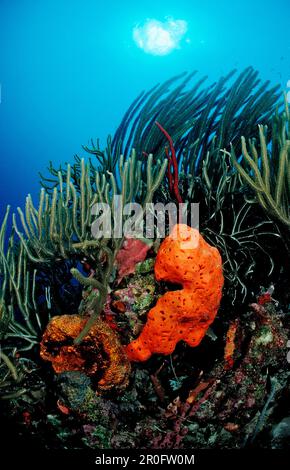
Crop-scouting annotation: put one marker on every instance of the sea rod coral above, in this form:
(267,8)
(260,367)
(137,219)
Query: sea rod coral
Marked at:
(268,175)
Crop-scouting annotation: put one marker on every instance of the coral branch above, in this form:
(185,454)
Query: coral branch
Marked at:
(172,164)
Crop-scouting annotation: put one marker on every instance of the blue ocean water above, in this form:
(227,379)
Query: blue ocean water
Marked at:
(70,69)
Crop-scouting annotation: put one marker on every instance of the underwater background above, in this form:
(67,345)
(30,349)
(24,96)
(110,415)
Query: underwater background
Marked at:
(70,69)
(116,337)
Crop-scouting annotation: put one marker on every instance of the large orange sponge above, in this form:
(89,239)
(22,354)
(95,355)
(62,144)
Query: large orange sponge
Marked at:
(185,258)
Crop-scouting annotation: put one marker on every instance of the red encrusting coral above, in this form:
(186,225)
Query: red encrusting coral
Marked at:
(264,298)
(184,258)
(132,252)
(230,344)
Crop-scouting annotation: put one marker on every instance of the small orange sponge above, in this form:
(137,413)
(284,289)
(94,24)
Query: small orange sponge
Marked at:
(185,258)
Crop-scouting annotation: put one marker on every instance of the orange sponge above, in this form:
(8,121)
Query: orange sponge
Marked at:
(185,258)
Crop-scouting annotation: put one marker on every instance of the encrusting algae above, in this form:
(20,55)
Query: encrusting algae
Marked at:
(185,258)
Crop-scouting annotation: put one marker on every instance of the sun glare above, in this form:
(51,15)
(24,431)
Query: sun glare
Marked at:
(159,38)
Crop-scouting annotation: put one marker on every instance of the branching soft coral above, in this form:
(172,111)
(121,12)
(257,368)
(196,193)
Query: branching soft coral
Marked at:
(268,175)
